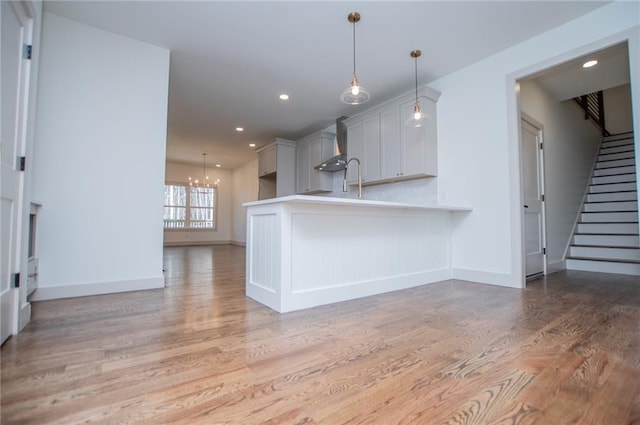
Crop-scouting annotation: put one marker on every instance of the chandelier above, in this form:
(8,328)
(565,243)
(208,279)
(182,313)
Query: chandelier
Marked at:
(204,183)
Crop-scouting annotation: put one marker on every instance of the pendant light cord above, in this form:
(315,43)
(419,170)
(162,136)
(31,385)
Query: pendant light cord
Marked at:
(416,73)
(354,48)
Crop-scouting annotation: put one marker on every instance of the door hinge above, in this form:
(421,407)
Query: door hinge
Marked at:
(16,280)
(541,145)
(542,198)
(544,251)
(28,51)
(22,163)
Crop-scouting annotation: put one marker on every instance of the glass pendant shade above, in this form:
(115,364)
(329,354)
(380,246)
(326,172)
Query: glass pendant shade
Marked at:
(417,117)
(355,94)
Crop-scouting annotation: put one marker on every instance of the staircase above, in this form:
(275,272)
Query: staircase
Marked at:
(606,236)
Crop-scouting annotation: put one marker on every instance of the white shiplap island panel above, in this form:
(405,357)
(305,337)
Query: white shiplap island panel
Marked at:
(304,251)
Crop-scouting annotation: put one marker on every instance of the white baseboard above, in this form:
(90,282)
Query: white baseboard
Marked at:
(196,243)
(284,303)
(98,288)
(239,243)
(25,316)
(556,267)
(489,278)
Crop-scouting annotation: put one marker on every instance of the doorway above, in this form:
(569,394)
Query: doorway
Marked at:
(570,147)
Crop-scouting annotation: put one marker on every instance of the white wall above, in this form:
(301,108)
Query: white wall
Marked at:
(570,146)
(617,108)
(180,173)
(245,189)
(478,148)
(99,161)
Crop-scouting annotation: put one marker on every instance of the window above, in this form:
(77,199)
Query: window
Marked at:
(188,207)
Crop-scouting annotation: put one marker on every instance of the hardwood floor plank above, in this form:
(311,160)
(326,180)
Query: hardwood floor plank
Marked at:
(565,350)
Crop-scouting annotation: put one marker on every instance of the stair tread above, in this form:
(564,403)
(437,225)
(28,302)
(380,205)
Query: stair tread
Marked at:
(605,246)
(612,175)
(608,202)
(614,191)
(605,184)
(608,211)
(605,234)
(604,260)
(608,222)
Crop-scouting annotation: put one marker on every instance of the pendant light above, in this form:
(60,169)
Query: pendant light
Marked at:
(355,94)
(417,116)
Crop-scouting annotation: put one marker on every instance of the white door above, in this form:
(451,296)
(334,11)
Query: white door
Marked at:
(532,188)
(16,28)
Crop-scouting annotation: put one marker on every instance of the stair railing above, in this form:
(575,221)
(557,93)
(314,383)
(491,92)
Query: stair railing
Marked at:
(593,106)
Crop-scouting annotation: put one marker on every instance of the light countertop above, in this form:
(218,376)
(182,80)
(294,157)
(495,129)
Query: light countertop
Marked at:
(326,200)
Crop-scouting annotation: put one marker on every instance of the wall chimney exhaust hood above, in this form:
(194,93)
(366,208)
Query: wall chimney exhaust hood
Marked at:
(337,162)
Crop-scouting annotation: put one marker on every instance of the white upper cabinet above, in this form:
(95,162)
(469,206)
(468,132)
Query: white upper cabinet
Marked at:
(311,151)
(276,169)
(363,142)
(267,160)
(418,145)
(387,148)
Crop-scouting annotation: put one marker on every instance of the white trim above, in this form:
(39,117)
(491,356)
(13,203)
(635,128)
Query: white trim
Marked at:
(331,295)
(196,243)
(488,278)
(556,267)
(96,288)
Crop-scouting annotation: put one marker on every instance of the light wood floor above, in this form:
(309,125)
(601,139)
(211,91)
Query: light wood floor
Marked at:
(564,351)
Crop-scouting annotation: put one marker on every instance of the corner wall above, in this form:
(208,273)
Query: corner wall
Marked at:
(99,160)
(617,107)
(245,189)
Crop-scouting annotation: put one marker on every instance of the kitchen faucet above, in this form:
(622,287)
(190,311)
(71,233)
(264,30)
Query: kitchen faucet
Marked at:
(344,181)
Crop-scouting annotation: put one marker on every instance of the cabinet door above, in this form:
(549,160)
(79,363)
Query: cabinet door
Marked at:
(355,146)
(319,181)
(391,162)
(267,161)
(418,144)
(371,156)
(303,167)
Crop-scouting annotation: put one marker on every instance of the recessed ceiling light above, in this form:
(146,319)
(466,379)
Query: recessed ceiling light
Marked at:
(252,145)
(239,129)
(218,165)
(284,96)
(589,64)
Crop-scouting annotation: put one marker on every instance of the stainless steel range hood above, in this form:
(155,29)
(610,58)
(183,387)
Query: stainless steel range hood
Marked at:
(339,161)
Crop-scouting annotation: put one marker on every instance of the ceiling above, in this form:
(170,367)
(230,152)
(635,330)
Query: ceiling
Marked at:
(231,60)
(570,79)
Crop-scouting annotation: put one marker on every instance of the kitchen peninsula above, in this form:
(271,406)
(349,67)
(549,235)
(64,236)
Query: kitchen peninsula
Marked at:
(305,251)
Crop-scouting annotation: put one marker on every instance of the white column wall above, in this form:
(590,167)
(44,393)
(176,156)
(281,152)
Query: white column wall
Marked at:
(99,161)
(478,141)
(180,173)
(245,189)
